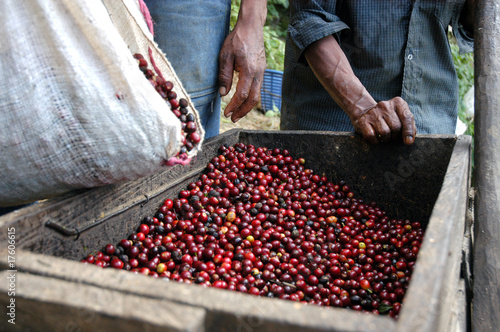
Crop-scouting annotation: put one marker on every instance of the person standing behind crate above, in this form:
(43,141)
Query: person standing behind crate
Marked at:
(194,34)
(363,65)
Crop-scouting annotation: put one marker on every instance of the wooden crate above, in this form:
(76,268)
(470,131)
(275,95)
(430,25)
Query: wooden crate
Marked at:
(425,182)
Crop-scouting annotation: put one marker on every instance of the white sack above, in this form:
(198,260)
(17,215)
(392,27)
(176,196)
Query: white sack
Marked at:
(75,110)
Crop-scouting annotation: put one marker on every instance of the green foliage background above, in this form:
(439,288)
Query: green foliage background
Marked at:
(464,65)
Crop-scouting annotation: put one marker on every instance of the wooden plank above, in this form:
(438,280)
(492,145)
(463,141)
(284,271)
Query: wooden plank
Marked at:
(486,270)
(428,302)
(459,315)
(225,310)
(48,304)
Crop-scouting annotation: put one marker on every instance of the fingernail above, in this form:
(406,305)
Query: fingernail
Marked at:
(236,120)
(229,115)
(222,91)
(408,139)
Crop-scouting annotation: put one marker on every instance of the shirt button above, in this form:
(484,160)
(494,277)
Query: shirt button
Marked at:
(410,56)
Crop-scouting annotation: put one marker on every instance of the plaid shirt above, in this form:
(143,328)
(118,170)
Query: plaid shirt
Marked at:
(395,48)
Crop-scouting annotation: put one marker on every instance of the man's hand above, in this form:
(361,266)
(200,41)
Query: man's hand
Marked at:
(243,51)
(376,122)
(387,121)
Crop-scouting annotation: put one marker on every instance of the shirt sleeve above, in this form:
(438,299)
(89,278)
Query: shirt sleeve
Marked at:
(310,21)
(464,37)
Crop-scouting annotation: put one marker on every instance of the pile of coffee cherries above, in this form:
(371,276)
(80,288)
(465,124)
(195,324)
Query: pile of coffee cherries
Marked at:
(258,221)
(190,135)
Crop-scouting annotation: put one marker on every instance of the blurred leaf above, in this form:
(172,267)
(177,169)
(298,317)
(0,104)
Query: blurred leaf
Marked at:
(464,65)
(384,308)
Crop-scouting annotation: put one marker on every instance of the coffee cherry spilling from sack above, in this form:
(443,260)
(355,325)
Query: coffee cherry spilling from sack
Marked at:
(180,107)
(258,221)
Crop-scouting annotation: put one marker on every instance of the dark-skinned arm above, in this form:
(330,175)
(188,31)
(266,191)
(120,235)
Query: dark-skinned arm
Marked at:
(243,51)
(376,122)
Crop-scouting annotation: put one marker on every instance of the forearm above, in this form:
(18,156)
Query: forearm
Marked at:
(243,52)
(331,67)
(253,12)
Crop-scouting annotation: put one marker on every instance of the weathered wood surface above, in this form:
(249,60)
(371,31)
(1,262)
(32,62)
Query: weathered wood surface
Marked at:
(48,304)
(427,182)
(435,278)
(459,320)
(486,270)
(225,310)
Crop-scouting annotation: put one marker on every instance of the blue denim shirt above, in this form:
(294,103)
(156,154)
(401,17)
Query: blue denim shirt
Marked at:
(396,48)
(191,34)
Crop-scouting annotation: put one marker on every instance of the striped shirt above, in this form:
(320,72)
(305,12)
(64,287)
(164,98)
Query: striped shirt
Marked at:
(396,48)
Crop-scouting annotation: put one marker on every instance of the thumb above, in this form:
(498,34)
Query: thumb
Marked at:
(226,70)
